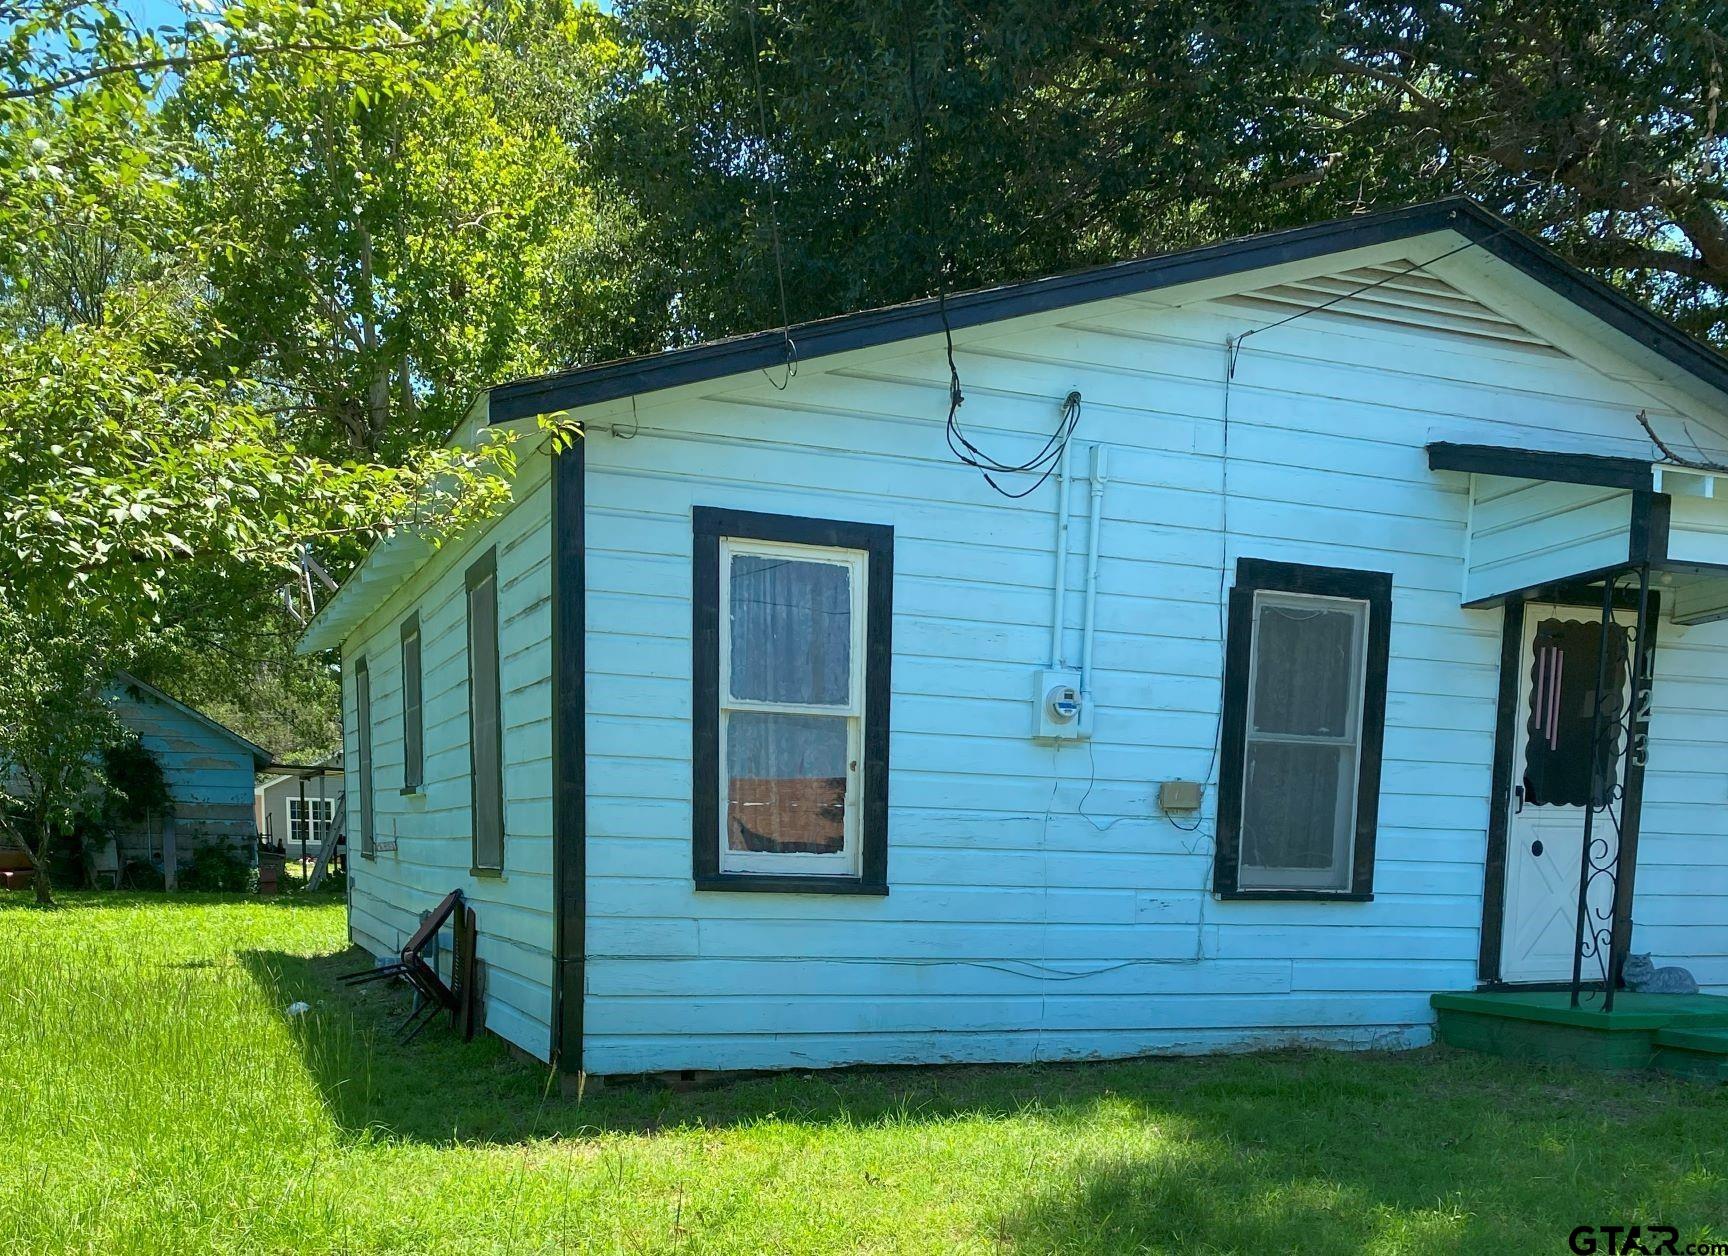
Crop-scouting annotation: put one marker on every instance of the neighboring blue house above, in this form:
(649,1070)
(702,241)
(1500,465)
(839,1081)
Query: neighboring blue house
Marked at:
(763,732)
(211,772)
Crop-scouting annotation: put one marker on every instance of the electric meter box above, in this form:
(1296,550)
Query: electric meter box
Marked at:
(1060,712)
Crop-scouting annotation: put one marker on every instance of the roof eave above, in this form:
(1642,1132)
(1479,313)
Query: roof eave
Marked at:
(608,381)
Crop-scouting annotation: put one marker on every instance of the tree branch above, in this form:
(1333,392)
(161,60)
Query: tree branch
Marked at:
(186,61)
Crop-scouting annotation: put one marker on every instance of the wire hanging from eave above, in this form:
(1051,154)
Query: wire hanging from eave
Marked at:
(1046,460)
(791,345)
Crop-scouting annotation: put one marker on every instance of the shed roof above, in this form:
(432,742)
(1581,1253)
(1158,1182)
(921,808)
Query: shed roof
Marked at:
(261,757)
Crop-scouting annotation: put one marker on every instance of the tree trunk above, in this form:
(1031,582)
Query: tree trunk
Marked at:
(44,891)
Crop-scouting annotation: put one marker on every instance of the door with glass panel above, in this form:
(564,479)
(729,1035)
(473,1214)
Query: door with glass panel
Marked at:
(1556,771)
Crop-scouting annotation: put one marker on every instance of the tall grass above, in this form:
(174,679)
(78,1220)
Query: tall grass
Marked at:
(152,1093)
(155,1096)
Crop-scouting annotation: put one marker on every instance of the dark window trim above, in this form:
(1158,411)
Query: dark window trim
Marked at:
(1602,470)
(484,567)
(1374,587)
(413,717)
(569,754)
(708,525)
(363,752)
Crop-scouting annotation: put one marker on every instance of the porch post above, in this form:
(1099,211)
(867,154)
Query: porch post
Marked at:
(1632,793)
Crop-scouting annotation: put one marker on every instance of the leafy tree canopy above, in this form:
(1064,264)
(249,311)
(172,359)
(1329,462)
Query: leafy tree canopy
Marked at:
(903,143)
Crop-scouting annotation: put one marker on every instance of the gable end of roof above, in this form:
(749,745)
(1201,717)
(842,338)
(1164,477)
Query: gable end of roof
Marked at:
(609,381)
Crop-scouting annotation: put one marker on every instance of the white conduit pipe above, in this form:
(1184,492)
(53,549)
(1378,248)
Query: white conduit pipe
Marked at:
(1100,477)
(1060,611)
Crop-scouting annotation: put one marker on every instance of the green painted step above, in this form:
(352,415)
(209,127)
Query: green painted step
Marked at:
(1632,1011)
(1684,1034)
(1707,1041)
(1693,1052)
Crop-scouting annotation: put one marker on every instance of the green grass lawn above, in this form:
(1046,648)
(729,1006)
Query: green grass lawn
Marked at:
(155,1098)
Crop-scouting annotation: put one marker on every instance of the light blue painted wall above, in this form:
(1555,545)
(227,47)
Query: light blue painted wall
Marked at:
(210,778)
(1525,533)
(1040,905)
(425,838)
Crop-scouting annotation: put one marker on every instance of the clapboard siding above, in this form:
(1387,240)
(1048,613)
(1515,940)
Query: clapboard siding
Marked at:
(431,831)
(1680,913)
(1525,533)
(209,775)
(1040,906)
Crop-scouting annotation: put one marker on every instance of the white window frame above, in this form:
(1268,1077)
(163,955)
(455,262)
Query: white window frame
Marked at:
(315,826)
(847,861)
(1339,877)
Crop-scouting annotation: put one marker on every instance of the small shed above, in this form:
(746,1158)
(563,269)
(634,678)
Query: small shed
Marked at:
(210,772)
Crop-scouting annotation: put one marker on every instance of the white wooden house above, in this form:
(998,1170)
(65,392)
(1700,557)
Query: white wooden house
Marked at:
(764,733)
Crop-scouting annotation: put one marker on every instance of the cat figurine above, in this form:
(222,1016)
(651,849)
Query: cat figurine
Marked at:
(1642,975)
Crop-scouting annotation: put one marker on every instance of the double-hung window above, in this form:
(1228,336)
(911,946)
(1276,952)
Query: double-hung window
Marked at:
(791,630)
(1304,715)
(309,819)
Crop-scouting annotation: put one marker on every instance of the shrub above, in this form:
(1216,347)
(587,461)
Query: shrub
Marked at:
(215,866)
(140,874)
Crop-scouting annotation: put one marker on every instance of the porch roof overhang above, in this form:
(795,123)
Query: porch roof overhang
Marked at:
(1539,521)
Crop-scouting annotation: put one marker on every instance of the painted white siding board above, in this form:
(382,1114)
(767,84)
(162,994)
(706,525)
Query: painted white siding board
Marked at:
(1525,533)
(1698,529)
(432,831)
(1680,912)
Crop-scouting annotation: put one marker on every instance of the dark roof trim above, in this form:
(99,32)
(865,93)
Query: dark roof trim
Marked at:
(607,381)
(1535,464)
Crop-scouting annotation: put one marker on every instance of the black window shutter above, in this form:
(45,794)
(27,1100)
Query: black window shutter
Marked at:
(363,734)
(485,726)
(413,724)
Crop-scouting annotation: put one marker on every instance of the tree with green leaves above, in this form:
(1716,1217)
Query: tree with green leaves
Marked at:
(388,221)
(906,146)
(152,496)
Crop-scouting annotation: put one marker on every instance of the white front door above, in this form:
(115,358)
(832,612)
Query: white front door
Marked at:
(1553,775)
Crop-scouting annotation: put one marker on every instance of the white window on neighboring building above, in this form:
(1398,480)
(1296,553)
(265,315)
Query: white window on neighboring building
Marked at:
(310,819)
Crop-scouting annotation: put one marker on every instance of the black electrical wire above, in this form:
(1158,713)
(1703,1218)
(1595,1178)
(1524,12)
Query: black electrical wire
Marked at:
(1233,354)
(1043,463)
(773,206)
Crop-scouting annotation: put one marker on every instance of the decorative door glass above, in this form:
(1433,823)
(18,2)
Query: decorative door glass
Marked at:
(1559,768)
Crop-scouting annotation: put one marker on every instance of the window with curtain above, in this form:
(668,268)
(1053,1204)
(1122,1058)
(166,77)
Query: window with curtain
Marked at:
(1305,692)
(413,725)
(791,709)
(485,727)
(791,676)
